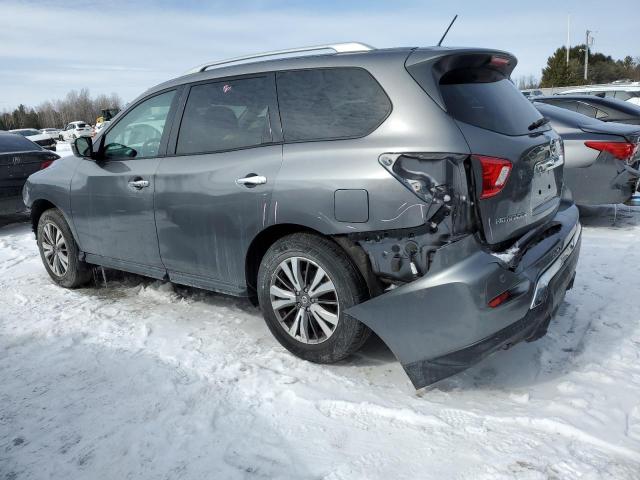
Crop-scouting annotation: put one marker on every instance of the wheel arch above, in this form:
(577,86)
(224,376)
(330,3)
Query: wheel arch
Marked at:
(41,205)
(38,207)
(267,237)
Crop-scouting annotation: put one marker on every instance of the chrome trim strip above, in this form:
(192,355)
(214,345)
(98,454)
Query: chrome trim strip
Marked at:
(570,243)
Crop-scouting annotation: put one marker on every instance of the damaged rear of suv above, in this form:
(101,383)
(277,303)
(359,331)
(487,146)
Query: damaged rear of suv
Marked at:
(413,192)
(451,210)
(477,249)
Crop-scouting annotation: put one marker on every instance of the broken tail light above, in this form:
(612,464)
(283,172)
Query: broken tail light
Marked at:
(495,173)
(422,173)
(620,150)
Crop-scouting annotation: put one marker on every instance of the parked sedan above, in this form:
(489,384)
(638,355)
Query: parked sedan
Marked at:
(604,109)
(36,137)
(19,158)
(601,159)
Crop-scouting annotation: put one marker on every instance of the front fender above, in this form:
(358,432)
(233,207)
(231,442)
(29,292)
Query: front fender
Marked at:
(52,185)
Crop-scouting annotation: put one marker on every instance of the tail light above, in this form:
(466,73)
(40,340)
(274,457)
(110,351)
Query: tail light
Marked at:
(620,150)
(48,161)
(495,173)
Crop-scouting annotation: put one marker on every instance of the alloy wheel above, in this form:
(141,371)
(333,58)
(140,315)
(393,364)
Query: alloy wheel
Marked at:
(55,249)
(304,300)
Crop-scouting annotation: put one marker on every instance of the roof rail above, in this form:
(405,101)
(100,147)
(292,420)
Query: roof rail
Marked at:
(336,47)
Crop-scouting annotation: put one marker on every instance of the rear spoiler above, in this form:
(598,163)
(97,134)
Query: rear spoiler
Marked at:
(428,65)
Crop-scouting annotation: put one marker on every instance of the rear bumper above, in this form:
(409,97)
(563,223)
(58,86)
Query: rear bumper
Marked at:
(441,323)
(606,181)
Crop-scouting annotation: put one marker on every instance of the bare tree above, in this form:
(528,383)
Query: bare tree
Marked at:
(76,105)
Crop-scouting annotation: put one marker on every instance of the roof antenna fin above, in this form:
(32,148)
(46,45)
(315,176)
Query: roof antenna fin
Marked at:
(447,30)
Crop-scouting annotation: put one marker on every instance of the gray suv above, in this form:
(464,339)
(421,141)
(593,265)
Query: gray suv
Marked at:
(412,192)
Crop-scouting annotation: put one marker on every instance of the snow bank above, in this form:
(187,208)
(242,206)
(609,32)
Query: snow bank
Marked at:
(147,380)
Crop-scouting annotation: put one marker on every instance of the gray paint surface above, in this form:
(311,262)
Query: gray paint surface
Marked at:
(194,224)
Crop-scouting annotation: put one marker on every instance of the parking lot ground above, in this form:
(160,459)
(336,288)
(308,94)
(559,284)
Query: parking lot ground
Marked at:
(144,379)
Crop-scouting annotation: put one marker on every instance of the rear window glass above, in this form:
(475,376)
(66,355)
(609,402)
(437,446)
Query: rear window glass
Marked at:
(330,103)
(495,104)
(81,125)
(16,143)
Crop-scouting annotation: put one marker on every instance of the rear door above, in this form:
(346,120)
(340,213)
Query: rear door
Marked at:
(213,193)
(516,158)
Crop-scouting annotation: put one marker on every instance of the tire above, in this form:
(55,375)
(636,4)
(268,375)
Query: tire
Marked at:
(76,273)
(316,345)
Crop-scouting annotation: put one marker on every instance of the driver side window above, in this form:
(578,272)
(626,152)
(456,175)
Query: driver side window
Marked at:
(138,133)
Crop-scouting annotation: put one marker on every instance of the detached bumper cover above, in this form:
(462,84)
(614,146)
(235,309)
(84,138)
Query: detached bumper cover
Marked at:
(441,324)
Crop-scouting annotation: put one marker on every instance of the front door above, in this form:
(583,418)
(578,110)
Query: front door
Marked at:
(112,197)
(213,195)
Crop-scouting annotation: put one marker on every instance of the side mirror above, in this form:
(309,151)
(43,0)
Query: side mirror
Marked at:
(83,147)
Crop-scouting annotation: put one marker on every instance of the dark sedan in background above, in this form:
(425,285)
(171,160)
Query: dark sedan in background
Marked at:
(604,109)
(42,139)
(601,159)
(19,158)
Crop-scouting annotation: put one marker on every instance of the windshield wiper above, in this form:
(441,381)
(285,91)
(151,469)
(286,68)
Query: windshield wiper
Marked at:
(538,123)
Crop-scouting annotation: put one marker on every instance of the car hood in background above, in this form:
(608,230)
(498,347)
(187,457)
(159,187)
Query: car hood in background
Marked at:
(36,138)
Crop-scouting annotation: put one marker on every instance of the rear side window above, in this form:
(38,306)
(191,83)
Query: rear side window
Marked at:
(330,103)
(487,99)
(586,109)
(16,143)
(622,95)
(226,116)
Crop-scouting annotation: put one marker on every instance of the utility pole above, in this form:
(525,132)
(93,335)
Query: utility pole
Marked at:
(586,54)
(568,38)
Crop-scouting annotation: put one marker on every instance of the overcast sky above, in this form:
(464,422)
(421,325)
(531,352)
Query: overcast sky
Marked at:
(50,47)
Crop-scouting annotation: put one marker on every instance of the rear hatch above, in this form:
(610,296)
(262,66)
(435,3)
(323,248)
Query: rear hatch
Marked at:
(517,159)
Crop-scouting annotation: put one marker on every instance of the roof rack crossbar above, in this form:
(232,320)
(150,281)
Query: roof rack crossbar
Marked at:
(336,47)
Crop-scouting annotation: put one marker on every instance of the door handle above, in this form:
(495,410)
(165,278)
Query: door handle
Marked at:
(138,184)
(252,180)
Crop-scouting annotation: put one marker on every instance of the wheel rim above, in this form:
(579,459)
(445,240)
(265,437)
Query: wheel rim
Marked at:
(304,300)
(55,249)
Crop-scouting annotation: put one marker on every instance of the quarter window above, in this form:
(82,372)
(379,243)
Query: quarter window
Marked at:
(138,133)
(330,103)
(226,116)
(622,95)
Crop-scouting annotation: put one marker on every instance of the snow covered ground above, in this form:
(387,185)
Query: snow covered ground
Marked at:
(143,379)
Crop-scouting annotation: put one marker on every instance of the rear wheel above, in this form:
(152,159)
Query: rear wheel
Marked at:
(305,284)
(59,251)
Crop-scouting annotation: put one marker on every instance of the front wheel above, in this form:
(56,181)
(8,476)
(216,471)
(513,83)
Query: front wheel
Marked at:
(59,252)
(305,284)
